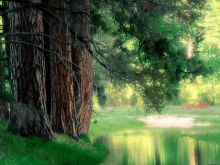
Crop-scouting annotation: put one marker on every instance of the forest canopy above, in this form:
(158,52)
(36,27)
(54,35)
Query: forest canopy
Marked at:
(152,44)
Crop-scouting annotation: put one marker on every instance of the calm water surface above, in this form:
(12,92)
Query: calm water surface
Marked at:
(165,147)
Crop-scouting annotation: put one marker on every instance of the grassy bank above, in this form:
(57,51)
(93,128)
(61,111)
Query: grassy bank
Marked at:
(112,119)
(115,119)
(210,115)
(15,149)
(205,115)
(108,120)
(23,151)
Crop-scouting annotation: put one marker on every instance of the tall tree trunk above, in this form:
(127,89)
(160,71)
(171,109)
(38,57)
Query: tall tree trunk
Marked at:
(71,92)
(83,87)
(63,103)
(27,66)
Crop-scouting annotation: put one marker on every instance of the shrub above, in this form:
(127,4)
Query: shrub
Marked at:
(133,100)
(85,137)
(201,104)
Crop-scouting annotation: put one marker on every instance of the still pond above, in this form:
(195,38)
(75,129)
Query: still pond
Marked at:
(158,147)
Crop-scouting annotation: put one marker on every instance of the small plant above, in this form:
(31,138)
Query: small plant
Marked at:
(133,100)
(85,137)
(202,104)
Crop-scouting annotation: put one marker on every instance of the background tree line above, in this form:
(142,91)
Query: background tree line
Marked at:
(153,44)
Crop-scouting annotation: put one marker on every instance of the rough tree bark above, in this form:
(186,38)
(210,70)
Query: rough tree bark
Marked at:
(71,92)
(4,113)
(83,83)
(62,96)
(27,66)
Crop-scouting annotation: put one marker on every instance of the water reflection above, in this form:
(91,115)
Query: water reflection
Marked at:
(165,147)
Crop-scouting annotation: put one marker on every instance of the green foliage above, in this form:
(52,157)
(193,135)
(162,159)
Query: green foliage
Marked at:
(205,88)
(101,96)
(133,100)
(206,97)
(98,18)
(26,151)
(114,119)
(207,53)
(6,96)
(178,101)
(3,125)
(85,137)
(144,48)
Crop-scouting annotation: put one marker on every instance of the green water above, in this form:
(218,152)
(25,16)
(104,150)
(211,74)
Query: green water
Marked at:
(155,147)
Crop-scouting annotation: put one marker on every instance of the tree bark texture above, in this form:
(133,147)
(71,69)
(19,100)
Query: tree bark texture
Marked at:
(63,103)
(27,65)
(28,121)
(83,87)
(4,113)
(71,90)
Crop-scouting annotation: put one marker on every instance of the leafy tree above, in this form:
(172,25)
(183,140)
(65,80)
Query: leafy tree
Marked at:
(158,60)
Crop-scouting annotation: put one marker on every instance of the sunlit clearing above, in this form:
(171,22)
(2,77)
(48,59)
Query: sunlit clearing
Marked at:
(158,121)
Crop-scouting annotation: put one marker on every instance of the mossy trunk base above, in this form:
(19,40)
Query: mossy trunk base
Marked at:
(4,113)
(27,122)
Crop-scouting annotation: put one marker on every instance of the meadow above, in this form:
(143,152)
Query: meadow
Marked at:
(18,150)
(108,120)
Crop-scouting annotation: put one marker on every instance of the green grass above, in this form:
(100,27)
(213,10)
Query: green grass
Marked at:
(112,119)
(23,151)
(109,120)
(213,120)
(207,115)
(182,111)
(32,151)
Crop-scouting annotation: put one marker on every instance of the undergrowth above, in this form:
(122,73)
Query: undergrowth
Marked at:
(18,150)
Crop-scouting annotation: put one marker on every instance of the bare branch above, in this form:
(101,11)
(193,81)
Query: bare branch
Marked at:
(42,49)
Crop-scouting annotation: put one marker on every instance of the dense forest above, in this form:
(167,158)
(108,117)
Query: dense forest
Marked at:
(65,64)
(48,47)
(54,54)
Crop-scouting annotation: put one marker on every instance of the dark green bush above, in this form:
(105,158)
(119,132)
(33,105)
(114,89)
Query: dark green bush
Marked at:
(85,137)
(133,100)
